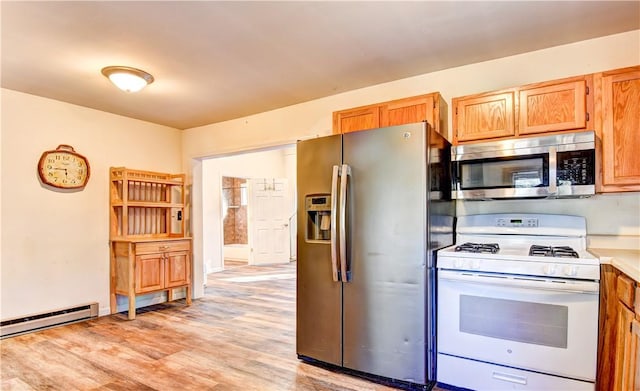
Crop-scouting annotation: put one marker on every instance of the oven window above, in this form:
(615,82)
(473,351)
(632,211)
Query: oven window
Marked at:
(534,323)
(529,171)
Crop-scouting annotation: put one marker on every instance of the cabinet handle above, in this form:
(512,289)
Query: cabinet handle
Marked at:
(164,247)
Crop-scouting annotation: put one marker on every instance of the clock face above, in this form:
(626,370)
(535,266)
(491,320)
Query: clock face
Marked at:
(63,169)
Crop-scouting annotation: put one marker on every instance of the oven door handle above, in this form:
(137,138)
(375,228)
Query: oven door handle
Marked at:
(590,287)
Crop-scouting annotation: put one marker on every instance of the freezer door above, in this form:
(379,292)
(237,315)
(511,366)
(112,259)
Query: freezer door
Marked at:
(385,300)
(319,298)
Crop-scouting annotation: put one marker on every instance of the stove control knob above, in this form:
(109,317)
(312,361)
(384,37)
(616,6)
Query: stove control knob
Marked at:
(549,270)
(571,271)
(475,264)
(458,263)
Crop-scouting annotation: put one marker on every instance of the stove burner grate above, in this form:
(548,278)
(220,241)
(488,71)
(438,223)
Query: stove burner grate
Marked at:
(478,248)
(549,251)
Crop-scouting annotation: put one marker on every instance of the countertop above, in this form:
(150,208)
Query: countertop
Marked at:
(627,261)
(145,239)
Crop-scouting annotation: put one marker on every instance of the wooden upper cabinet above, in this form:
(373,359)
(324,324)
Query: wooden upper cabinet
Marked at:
(548,107)
(430,107)
(406,111)
(561,106)
(483,116)
(618,127)
(359,118)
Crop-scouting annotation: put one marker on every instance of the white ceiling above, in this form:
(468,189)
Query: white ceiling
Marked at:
(213,61)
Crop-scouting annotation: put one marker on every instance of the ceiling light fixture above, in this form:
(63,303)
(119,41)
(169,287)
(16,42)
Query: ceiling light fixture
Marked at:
(127,79)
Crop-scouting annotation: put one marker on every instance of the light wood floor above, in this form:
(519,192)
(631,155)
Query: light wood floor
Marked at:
(231,263)
(240,336)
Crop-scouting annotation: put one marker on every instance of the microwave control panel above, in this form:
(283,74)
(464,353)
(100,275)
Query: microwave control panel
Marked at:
(576,167)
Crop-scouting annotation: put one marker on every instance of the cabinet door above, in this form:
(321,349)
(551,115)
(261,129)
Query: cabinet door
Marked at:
(550,108)
(484,117)
(149,273)
(620,130)
(176,269)
(406,111)
(626,351)
(608,328)
(360,118)
(635,354)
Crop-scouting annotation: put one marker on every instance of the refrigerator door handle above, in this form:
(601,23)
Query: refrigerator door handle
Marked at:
(334,225)
(344,180)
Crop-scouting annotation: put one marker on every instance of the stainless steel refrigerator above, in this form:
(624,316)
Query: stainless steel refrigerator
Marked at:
(373,206)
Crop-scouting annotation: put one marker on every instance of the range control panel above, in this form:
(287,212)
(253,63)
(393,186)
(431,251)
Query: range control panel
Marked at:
(523,222)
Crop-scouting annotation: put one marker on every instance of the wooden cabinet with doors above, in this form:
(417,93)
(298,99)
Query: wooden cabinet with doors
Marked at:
(617,108)
(619,341)
(484,116)
(540,108)
(429,107)
(147,266)
(149,250)
(358,118)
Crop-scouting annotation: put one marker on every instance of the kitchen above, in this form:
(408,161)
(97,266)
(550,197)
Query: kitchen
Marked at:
(172,150)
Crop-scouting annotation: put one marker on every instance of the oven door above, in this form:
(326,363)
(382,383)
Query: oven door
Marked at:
(536,324)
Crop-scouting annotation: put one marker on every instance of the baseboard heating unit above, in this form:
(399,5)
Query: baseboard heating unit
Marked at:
(45,320)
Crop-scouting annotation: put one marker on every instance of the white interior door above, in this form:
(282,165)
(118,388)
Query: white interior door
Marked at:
(268,212)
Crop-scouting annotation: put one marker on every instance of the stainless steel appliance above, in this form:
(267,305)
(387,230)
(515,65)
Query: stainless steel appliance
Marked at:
(374,205)
(550,166)
(518,304)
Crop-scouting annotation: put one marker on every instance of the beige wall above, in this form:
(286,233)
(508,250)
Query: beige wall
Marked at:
(55,249)
(313,119)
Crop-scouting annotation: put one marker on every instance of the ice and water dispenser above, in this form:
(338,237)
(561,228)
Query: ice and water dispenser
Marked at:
(318,209)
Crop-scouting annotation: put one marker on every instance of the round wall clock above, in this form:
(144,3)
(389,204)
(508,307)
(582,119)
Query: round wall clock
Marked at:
(63,168)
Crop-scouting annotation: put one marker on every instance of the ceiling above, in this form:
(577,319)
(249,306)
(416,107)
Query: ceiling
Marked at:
(214,61)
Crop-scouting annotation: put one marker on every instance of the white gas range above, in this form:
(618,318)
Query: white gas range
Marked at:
(518,304)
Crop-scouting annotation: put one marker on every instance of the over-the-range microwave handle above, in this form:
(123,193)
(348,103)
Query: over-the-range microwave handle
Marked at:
(553,170)
(344,182)
(334,225)
(589,287)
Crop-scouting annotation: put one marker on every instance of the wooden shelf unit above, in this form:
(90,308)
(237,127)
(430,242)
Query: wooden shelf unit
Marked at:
(149,250)
(146,204)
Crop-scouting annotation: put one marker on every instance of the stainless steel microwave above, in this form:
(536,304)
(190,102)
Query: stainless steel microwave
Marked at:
(555,166)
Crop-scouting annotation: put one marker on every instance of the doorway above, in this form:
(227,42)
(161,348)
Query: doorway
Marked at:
(248,206)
